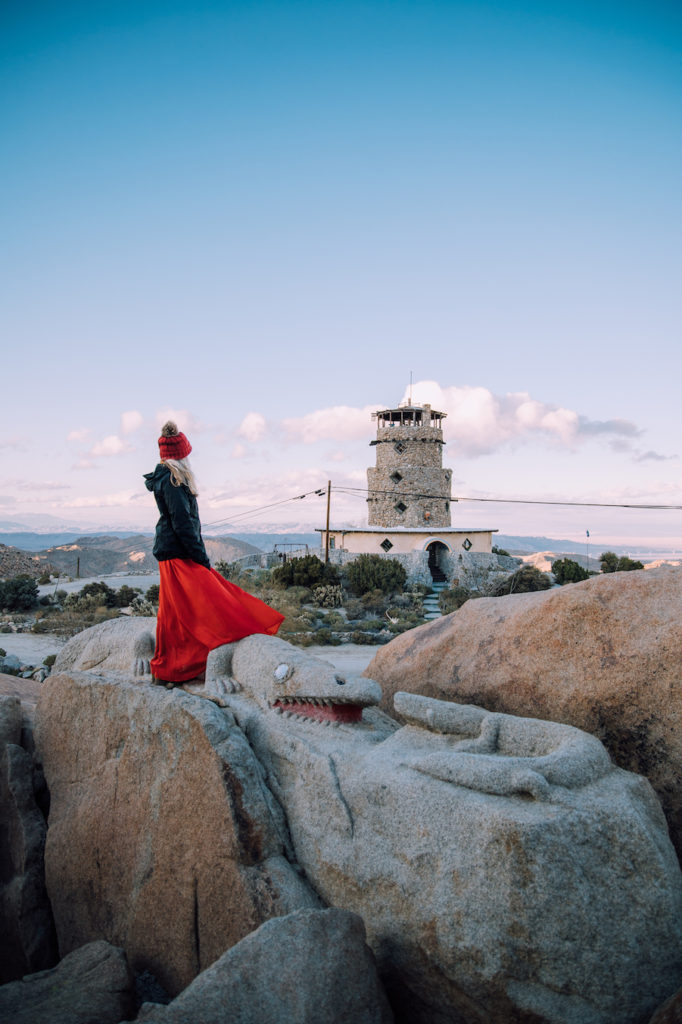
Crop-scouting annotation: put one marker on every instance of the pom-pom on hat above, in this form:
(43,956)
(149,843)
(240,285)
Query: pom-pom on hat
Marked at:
(173,444)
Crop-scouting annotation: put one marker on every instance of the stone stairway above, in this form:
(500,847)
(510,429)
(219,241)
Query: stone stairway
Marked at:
(431,609)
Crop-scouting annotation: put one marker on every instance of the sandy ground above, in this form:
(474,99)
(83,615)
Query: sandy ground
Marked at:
(31,649)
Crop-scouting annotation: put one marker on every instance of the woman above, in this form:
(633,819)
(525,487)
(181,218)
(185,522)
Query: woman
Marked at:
(198,609)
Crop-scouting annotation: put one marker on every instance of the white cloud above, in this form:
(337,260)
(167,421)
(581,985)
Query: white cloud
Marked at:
(253,427)
(478,421)
(131,421)
(238,451)
(81,434)
(111,445)
(186,421)
(114,500)
(339,423)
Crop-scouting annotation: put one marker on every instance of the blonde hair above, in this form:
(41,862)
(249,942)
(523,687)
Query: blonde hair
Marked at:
(181,473)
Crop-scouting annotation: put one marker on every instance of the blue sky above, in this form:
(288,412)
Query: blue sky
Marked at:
(264,216)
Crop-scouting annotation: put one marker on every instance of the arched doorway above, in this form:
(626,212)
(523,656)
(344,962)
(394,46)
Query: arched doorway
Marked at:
(437,552)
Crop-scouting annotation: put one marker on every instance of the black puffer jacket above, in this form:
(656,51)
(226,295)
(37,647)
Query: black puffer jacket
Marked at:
(178,531)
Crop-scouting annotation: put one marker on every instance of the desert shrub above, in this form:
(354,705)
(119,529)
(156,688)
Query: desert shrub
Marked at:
(499,551)
(358,636)
(50,660)
(308,571)
(373,624)
(152,594)
(3,652)
(375,601)
(141,606)
(523,581)
(334,620)
(610,562)
(44,579)
(99,592)
(452,599)
(325,636)
(19,593)
(566,570)
(125,595)
(328,595)
(228,570)
(355,609)
(372,572)
(70,621)
(296,621)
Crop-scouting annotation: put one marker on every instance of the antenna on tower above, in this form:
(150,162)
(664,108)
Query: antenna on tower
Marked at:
(410,387)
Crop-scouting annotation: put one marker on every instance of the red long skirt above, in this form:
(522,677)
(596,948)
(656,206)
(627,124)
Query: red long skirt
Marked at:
(198,611)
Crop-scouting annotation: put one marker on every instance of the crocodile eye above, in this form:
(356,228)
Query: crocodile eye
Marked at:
(282,672)
(340,680)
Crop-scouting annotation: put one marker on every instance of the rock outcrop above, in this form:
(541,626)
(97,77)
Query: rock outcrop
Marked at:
(92,985)
(27,938)
(105,649)
(503,867)
(14,562)
(310,967)
(163,837)
(603,655)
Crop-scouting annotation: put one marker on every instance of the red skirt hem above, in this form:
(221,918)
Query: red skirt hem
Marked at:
(199,610)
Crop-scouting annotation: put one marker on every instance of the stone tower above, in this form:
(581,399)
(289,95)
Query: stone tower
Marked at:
(408,486)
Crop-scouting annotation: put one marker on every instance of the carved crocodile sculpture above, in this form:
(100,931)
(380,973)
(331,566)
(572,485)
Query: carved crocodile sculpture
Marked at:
(505,869)
(502,858)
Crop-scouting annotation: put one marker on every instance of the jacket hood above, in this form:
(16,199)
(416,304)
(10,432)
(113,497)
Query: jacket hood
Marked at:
(152,480)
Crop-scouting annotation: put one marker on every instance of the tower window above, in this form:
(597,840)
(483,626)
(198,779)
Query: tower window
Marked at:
(386,545)
(400,447)
(466,544)
(400,506)
(396,477)
(447,506)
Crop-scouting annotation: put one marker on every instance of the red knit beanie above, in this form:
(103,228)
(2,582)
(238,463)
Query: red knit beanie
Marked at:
(173,444)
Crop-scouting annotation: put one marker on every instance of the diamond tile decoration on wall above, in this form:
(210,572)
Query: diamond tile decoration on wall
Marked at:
(466,544)
(400,447)
(386,544)
(400,507)
(396,477)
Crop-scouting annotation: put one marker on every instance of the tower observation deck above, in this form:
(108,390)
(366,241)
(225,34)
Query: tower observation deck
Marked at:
(408,486)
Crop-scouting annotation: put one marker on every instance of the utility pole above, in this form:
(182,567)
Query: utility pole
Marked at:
(326,535)
(587,549)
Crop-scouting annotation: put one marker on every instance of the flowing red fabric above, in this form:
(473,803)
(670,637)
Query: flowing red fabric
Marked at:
(198,611)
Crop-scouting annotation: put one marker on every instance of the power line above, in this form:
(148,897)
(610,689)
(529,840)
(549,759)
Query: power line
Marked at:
(504,501)
(358,491)
(262,508)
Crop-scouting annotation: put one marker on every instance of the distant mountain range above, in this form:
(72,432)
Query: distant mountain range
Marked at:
(99,555)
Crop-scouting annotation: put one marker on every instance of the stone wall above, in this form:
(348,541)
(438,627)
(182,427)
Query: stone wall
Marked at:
(473,570)
(409,460)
